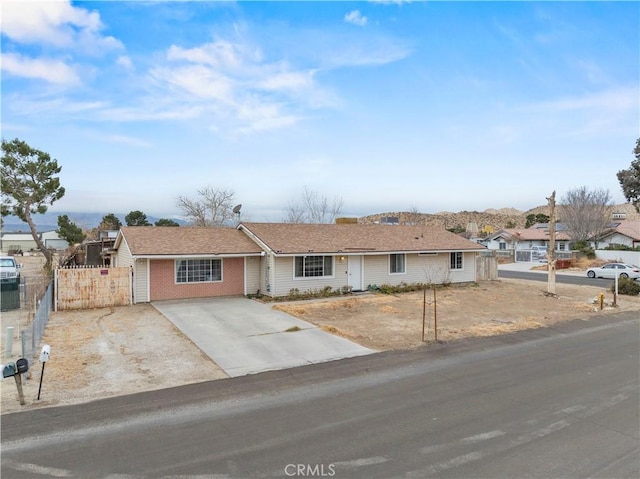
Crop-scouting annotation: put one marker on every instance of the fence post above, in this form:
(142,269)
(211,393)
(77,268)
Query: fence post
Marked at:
(55,282)
(8,345)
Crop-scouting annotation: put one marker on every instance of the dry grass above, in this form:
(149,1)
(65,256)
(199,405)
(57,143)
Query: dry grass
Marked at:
(384,322)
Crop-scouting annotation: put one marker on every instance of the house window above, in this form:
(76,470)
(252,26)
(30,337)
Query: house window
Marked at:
(198,270)
(396,263)
(313,266)
(456,260)
(502,245)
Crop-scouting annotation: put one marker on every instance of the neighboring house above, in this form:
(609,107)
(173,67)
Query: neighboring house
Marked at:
(308,257)
(187,262)
(275,258)
(52,241)
(624,233)
(525,239)
(98,252)
(18,241)
(25,241)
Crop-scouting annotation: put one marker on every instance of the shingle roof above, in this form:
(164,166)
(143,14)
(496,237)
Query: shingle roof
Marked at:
(171,240)
(530,234)
(287,238)
(630,228)
(537,234)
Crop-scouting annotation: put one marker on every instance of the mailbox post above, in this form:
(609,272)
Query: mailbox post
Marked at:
(44,357)
(16,370)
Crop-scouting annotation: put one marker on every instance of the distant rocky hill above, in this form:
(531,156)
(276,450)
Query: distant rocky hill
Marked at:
(478,221)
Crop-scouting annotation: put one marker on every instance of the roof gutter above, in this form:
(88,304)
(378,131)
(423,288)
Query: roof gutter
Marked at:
(198,255)
(373,253)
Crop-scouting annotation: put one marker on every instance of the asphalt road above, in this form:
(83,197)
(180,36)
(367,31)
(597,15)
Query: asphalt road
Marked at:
(546,403)
(560,278)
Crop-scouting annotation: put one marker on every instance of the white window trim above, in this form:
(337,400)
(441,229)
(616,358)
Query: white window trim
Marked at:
(404,264)
(175,271)
(461,268)
(311,278)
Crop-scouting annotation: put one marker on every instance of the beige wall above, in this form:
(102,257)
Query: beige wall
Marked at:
(418,269)
(253,274)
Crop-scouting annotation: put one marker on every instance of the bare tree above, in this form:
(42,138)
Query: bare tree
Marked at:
(313,208)
(586,213)
(412,217)
(294,213)
(213,207)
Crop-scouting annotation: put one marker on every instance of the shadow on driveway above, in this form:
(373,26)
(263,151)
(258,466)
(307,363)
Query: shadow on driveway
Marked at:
(244,337)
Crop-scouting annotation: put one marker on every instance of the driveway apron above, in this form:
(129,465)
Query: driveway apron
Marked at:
(244,337)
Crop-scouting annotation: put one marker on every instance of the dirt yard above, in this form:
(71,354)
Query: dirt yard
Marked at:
(384,322)
(113,351)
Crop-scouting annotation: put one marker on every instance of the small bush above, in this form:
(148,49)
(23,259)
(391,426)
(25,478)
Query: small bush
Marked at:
(585,248)
(295,294)
(627,286)
(398,288)
(621,247)
(327,291)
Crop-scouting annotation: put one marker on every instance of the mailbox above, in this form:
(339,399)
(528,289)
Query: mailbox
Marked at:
(9,370)
(45,353)
(22,365)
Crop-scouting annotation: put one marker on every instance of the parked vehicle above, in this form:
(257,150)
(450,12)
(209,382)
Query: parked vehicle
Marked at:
(538,253)
(610,270)
(9,270)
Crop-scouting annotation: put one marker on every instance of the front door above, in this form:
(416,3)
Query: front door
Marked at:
(355,273)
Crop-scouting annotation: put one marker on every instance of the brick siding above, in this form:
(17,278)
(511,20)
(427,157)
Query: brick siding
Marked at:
(164,286)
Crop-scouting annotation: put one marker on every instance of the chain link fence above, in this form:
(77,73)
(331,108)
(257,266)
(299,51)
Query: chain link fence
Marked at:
(25,312)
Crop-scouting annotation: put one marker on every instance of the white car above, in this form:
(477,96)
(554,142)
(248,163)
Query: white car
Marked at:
(538,253)
(610,270)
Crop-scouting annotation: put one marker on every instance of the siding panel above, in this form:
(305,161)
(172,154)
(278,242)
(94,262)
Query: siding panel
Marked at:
(419,269)
(141,281)
(285,281)
(253,275)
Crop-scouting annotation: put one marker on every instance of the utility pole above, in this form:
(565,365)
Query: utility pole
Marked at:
(551,255)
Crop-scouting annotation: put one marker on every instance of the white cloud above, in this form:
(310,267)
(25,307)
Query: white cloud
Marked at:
(355,17)
(236,88)
(221,54)
(618,99)
(287,80)
(263,116)
(55,23)
(124,140)
(52,71)
(125,61)
(196,81)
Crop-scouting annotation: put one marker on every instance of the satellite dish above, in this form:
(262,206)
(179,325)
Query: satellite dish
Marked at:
(236,209)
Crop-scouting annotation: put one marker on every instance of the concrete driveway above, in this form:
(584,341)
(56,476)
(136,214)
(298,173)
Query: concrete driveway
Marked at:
(244,336)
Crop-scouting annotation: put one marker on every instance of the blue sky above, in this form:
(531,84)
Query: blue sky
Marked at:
(390,106)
